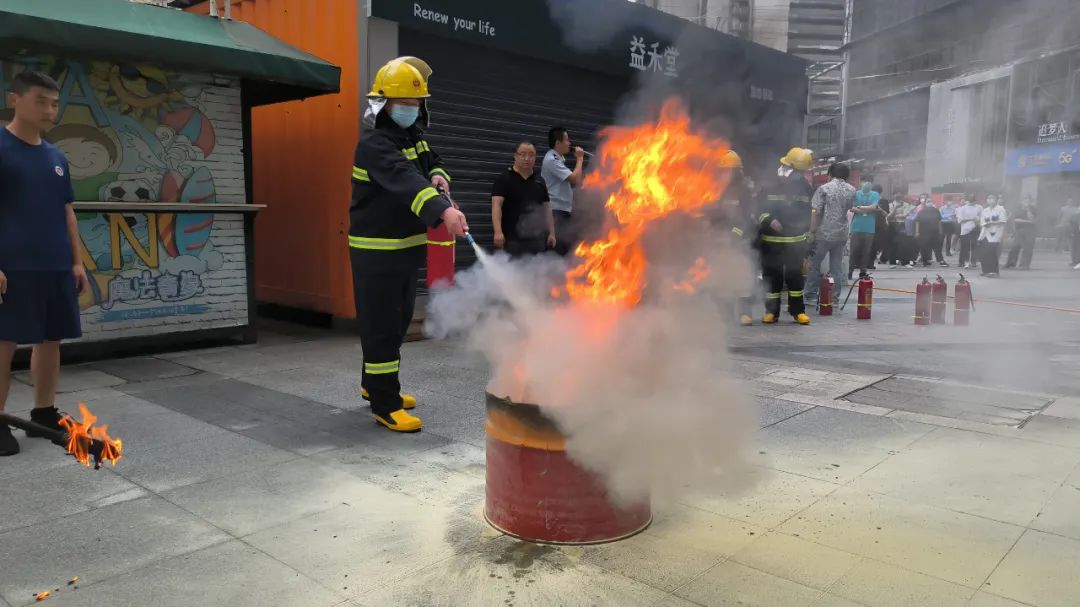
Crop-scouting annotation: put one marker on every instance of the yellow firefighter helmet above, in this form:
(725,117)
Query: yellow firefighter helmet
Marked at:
(800,159)
(731,160)
(402,78)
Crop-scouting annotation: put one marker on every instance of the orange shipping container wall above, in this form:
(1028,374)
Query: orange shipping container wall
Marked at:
(302,160)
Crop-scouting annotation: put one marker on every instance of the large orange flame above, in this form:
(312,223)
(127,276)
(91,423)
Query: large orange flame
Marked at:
(81,437)
(655,170)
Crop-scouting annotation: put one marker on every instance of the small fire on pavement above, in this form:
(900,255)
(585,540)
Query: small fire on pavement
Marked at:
(85,440)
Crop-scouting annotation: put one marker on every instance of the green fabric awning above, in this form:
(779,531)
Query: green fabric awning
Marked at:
(120,30)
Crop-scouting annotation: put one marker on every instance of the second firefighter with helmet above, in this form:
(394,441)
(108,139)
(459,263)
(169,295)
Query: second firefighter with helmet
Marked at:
(399,190)
(784,220)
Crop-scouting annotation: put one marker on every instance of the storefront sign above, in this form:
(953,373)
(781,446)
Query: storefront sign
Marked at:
(658,62)
(1053,132)
(610,36)
(1042,159)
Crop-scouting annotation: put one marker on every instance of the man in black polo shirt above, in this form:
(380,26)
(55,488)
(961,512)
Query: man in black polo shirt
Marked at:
(520,209)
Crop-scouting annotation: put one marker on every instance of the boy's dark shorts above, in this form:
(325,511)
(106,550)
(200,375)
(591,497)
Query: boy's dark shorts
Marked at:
(39,307)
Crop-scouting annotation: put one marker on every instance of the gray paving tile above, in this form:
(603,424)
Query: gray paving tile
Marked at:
(141,369)
(195,379)
(20,398)
(233,362)
(457,418)
(405,472)
(97,545)
(373,542)
(730,583)
(670,600)
(232,574)
(143,434)
(111,406)
(772,410)
(835,459)
(882,432)
(985,599)
(829,600)
(1039,570)
(686,525)
(197,460)
(775,498)
(299,438)
(659,562)
(76,378)
(232,416)
(956,547)
(458,457)
(37,457)
(58,492)
(254,500)
(796,559)
(874,583)
(369,437)
(508,572)
(1053,430)
(329,386)
(1000,478)
(1059,515)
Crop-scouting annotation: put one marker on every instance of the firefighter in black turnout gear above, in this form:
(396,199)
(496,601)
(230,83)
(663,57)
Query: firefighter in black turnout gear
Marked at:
(738,216)
(396,183)
(784,220)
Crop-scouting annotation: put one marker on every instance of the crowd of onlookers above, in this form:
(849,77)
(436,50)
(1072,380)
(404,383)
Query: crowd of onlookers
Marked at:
(911,231)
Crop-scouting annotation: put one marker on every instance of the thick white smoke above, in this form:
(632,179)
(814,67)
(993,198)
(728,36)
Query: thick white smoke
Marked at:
(644,396)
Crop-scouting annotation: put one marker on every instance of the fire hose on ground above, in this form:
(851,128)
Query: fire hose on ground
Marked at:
(995,301)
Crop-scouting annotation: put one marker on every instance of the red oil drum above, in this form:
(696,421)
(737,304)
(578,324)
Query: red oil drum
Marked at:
(536,493)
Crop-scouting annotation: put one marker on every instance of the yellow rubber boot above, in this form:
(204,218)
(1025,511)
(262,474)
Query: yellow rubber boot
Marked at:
(802,319)
(408,401)
(769,318)
(400,421)
(745,320)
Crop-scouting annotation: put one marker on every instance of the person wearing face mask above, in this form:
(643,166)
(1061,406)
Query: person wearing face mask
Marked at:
(993,223)
(399,190)
(968,217)
(1023,235)
(928,232)
(949,227)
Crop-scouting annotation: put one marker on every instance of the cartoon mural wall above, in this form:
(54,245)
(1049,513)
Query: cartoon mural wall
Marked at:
(139,133)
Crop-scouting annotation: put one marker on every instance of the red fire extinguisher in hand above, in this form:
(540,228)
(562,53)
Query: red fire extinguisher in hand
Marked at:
(965,303)
(825,295)
(939,292)
(922,302)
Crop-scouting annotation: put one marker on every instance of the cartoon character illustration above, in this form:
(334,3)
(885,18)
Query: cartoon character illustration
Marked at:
(136,133)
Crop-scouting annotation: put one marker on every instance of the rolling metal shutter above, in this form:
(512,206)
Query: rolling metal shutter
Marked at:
(485,101)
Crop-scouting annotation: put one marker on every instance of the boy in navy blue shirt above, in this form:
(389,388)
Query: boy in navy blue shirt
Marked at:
(41,271)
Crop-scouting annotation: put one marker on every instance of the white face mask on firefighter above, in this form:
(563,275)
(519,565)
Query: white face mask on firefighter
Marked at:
(404,115)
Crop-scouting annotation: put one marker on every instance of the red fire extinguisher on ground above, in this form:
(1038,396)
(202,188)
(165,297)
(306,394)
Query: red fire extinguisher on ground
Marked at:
(922,302)
(939,292)
(866,297)
(965,303)
(825,295)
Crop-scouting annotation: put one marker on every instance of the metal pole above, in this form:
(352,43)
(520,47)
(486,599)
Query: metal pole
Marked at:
(228,10)
(848,19)
(213,8)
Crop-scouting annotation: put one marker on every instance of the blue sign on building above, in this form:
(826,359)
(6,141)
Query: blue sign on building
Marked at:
(1042,159)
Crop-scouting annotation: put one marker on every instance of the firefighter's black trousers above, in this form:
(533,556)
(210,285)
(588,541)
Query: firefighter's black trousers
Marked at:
(781,265)
(385,299)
